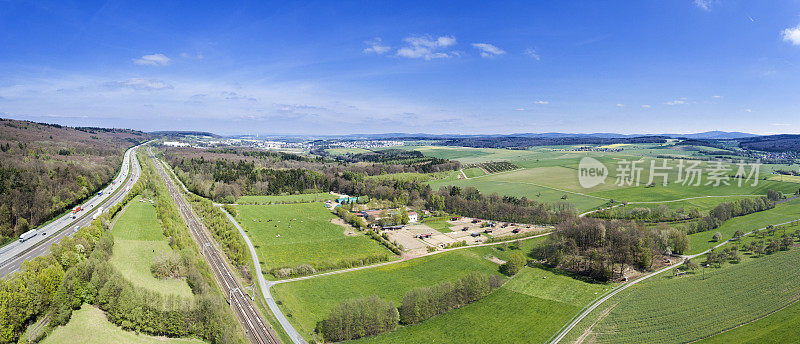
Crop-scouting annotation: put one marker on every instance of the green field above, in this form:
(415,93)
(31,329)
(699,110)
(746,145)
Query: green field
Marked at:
(440,224)
(529,308)
(668,309)
(89,325)
(301,233)
(473,172)
(299,198)
(138,239)
(309,301)
(781,327)
(784,212)
(345,151)
(703,204)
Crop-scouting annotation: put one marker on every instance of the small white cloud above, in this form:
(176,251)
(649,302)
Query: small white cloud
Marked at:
(541,102)
(488,50)
(703,4)
(676,102)
(792,35)
(427,47)
(532,53)
(620,105)
(519,109)
(748,110)
(153,60)
(781,124)
(716,97)
(375,46)
(140,84)
(645,106)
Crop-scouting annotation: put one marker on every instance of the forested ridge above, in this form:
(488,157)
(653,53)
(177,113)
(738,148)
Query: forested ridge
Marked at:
(46,169)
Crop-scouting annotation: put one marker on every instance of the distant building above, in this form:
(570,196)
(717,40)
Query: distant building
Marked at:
(413,217)
(175,144)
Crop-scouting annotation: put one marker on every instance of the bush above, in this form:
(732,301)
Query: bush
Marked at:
(717,236)
(514,264)
(358,318)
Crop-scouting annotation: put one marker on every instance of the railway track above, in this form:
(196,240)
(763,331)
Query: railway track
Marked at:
(256,328)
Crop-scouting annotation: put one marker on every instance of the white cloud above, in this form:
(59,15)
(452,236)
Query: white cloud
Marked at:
(716,96)
(620,105)
(532,53)
(139,84)
(748,110)
(541,102)
(519,109)
(153,60)
(427,47)
(488,50)
(679,101)
(645,106)
(792,35)
(703,4)
(375,46)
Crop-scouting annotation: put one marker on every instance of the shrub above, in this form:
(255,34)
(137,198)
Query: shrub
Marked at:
(514,264)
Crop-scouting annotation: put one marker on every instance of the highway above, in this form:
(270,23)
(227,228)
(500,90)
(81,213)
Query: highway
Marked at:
(13,255)
(256,328)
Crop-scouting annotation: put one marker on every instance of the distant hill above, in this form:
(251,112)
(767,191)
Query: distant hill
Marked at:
(180,133)
(715,135)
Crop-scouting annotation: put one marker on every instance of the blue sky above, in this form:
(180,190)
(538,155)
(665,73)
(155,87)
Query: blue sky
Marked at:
(343,67)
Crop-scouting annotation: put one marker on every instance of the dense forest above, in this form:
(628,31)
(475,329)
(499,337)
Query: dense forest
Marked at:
(773,143)
(47,169)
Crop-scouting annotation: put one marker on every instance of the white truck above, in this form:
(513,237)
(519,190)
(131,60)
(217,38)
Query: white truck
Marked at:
(27,235)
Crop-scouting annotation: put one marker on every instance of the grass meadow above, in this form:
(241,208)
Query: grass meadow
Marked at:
(780,327)
(89,325)
(301,233)
(138,239)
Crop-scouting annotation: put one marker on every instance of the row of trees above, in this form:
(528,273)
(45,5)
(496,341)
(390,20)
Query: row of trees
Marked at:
(727,210)
(594,247)
(371,315)
(423,303)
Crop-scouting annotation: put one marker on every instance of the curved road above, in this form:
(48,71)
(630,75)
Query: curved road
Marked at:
(13,255)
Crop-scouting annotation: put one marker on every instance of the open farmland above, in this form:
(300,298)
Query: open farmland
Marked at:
(138,240)
(293,234)
(780,327)
(89,325)
(727,297)
(529,308)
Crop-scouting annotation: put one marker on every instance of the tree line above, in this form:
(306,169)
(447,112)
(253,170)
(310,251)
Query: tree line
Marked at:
(727,210)
(371,315)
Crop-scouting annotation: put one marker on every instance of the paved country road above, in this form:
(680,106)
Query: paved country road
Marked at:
(13,255)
